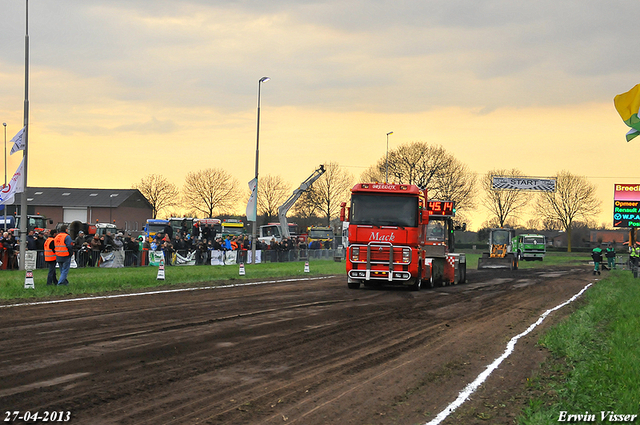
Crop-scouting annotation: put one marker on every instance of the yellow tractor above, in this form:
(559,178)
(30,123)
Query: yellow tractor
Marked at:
(500,255)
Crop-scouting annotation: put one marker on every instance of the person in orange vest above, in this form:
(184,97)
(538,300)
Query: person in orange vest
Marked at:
(50,257)
(64,251)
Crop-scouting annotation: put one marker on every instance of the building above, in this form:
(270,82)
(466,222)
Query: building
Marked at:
(128,209)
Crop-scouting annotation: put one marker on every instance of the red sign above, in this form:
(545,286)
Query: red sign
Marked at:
(441,208)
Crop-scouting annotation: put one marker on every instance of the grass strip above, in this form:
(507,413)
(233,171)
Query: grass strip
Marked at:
(595,361)
(92,280)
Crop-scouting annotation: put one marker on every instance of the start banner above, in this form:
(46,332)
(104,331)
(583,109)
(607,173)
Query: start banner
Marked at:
(523,183)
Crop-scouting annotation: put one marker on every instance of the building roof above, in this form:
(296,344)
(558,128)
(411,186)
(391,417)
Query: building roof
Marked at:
(71,197)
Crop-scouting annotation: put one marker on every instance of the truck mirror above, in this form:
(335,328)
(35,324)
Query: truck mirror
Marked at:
(343,206)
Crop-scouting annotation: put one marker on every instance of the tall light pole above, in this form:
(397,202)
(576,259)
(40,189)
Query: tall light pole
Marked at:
(25,155)
(386,177)
(255,222)
(5,171)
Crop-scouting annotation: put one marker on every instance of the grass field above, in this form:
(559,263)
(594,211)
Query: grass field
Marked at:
(595,362)
(102,280)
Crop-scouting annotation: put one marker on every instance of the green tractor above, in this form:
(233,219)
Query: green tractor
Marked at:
(501,254)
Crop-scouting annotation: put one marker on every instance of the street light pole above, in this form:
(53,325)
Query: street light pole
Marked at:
(386,177)
(255,222)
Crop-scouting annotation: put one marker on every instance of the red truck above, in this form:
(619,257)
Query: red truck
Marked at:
(398,237)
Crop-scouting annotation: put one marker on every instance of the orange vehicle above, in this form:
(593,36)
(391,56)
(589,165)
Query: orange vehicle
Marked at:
(397,237)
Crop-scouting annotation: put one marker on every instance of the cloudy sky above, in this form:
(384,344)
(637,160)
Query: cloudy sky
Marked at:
(123,89)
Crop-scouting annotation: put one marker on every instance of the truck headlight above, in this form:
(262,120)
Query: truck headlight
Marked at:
(406,255)
(355,253)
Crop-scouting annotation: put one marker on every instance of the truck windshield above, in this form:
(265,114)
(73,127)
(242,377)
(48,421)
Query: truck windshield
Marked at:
(155,228)
(235,231)
(270,231)
(320,234)
(501,237)
(533,241)
(381,210)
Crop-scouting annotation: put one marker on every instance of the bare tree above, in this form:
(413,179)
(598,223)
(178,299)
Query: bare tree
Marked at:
(430,167)
(504,204)
(574,197)
(209,190)
(326,194)
(273,192)
(158,191)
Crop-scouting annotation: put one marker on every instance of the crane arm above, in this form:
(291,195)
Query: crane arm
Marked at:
(284,208)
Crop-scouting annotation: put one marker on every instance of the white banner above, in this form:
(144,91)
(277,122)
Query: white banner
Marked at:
(155,257)
(217,258)
(252,205)
(258,257)
(230,257)
(112,260)
(189,260)
(15,185)
(18,142)
(523,183)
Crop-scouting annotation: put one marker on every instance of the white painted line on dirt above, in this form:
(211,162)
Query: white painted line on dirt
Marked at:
(469,389)
(166,291)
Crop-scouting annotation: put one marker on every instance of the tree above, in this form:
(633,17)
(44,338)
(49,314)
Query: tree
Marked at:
(210,190)
(326,194)
(574,197)
(273,191)
(430,167)
(158,191)
(504,204)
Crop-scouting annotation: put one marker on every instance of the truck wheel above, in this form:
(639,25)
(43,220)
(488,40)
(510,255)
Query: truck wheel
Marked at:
(463,274)
(353,285)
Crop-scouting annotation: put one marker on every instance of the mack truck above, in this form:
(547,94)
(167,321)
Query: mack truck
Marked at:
(501,254)
(398,237)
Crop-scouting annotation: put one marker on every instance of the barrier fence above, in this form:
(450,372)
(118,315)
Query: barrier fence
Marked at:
(125,258)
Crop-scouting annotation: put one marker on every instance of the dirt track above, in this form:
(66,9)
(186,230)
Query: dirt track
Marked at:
(298,352)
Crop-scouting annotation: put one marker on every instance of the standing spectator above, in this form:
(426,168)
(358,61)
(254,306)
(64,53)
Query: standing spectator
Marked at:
(50,257)
(118,243)
(64,251)
(610,253)
(40,248)
(634,256)
(96,247)
(168,231)
(31,241)
(596,255)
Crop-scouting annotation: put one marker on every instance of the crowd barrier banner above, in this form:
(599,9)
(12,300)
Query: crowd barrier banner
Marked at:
(217,258)
(230,257)
(189,260)
(258,257)
(155,257)
(112,260)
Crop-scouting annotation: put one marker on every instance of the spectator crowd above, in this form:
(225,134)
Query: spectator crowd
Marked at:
(89,250)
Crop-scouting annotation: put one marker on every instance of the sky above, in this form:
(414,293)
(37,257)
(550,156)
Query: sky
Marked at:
(119,90)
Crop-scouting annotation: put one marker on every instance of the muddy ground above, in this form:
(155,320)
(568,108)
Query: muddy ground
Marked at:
(290,352)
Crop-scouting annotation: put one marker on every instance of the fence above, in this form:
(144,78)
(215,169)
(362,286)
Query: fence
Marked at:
(116,259)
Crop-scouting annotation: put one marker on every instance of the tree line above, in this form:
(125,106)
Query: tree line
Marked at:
(214,191)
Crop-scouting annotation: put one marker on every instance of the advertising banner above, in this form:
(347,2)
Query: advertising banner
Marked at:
(626,205)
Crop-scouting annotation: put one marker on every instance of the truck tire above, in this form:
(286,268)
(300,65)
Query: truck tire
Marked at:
(463,273)
(353,285)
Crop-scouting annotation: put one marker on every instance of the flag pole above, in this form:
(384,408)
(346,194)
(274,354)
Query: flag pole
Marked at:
(23,198)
